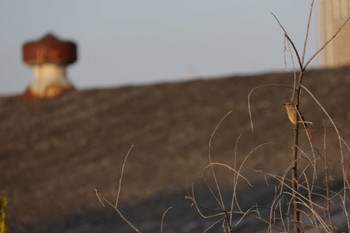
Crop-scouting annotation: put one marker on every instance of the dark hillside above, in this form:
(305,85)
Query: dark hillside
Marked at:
(54,152)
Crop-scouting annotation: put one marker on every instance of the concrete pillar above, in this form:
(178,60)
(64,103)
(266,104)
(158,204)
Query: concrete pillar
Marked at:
(331,15)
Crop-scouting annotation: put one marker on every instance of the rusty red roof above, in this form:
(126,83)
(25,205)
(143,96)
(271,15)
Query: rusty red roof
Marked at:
(49,49)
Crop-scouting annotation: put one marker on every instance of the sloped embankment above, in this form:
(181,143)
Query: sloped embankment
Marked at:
(54,152)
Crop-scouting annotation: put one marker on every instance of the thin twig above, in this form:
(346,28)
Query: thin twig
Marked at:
(121,177)
(330,219)
(249,97)
(325,44)
(294,75)
(163,216)
(307,32)
(221,201)
(340,141)
(229,168)
(115,206)
(197,206)
(234,193)
(290,41)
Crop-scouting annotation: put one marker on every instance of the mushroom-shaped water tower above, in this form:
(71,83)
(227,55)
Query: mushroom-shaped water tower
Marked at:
(49,57)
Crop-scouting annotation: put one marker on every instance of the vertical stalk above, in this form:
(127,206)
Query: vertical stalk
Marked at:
(327,176)
(296,214)
(295,179)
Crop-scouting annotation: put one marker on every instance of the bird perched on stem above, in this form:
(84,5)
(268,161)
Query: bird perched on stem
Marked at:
(295,117)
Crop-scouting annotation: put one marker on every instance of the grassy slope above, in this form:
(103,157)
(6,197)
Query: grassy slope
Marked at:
(54,152)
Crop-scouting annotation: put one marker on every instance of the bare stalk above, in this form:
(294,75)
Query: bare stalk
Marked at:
(325,154)
(325,44)
(295,179)
(249,99)
(219,199)
(121,177)
(103,200)
(163,217)
(307,31)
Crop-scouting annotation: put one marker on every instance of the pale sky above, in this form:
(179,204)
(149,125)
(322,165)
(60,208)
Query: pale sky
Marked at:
(147,41)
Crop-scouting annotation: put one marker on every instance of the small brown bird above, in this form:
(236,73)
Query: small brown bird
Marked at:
(291,112)
(294,116)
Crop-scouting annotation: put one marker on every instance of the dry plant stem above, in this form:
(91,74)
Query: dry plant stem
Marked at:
(217,195)
(342,162)
(304,202)
(276,201)
(301,198)
(307,31)
(290,41)
(296,214)
(325,154)
(237,173)
(163,216)
(299,204)
(193,199)
(121,176)
(225,216)
(325,44)
(212,225)
(296,131)
(220,199)
(234,192)
(314,213)
(102,199)
(115,206)
(249,99)
(294,74)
